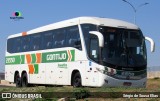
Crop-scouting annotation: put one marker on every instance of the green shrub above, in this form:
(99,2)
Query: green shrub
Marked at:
(156,78)
(81,93)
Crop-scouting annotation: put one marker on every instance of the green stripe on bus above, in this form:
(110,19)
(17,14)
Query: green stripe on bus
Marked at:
(36,68)
(12,60)
(22,59)
(48,57)
(73,55)
(18,59)
(33,58)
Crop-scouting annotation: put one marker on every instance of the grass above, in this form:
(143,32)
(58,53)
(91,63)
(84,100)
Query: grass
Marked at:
(153,85)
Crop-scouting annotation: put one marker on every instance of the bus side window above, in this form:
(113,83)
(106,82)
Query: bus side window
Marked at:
(26,43)
(36,42)
(10,45)
(59,38)
(94,48)
(73,38)
(18,44)
(48,39)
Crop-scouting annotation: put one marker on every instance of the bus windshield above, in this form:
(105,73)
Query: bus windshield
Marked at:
(123,47)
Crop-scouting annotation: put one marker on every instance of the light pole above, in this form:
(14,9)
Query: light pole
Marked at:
(135,9)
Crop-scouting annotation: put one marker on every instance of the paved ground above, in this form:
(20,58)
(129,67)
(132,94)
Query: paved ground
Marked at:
(4,83)
(7,85)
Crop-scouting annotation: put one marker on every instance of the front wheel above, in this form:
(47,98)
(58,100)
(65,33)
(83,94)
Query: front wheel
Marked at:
(77,80)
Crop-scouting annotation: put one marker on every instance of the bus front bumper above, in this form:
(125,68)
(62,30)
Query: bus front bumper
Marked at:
(112,82)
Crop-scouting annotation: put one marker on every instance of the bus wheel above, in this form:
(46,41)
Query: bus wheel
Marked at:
(77,80)
(18,80)
(24,80)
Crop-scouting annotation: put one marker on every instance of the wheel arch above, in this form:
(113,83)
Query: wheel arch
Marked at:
(73,73)
(23,72)
(24,79)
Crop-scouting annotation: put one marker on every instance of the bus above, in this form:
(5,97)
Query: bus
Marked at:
(83,51)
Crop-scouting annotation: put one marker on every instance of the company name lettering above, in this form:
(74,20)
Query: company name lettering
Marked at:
(62,56)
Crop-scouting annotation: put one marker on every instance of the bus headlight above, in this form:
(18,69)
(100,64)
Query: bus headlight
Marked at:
(100,70)
(109,72)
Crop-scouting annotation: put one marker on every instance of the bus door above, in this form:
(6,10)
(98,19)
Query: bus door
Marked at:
(92,74)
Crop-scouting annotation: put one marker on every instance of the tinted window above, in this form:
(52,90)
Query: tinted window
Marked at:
(59,38)
(94,48)
(36,42)
(73,37)
(18,44)
(48,40)
(85,29)
(14,45)
(26,40)
(10,45)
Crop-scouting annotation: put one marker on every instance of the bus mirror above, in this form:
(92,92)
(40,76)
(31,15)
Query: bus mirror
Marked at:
(100,37)
(152,43)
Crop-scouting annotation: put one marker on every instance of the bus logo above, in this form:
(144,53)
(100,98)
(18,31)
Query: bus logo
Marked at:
(56,56)
(59,56)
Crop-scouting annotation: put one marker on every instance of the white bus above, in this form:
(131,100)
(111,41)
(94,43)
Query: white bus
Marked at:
(84,51)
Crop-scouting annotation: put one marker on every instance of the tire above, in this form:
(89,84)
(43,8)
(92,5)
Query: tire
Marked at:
(77,80)
(18,80)
(24,80)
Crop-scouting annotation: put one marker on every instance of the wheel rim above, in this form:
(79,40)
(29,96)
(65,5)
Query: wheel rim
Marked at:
(24,81)
(77,81)
(17,80)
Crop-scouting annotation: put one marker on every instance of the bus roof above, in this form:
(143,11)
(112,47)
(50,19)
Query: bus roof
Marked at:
(108,22)
(82,20)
